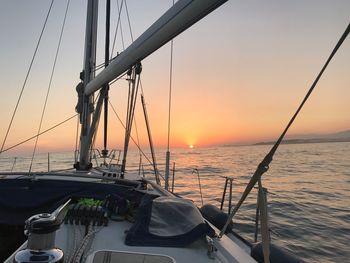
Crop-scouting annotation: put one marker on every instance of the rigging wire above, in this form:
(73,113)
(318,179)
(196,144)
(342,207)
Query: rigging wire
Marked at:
(132,40)
(144,109)
(122,38)
(127,14)
(134,83)
(134,141)
(118,22)
(170,90)
(150,140)
(26,78)
(264,165)
(50,82)
(136,130)
(96,101)
(121,29)
(135,122)
(100,66)
(142,93)
(120,77)
(41,133)
(167,156)
(76,140)
(195,170)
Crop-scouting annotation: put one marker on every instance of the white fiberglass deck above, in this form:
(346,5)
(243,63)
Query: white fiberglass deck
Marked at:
(111,238)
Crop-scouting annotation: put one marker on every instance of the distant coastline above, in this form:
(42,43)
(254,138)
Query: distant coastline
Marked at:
(341,136)
(302,141)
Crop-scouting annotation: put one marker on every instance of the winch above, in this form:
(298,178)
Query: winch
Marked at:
(41,232)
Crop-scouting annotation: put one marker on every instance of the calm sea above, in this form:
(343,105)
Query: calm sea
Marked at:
(308,185)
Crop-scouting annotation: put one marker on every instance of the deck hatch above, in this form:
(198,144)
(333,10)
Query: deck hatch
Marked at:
(129,257)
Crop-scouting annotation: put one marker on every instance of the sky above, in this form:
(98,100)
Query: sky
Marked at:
(238,75)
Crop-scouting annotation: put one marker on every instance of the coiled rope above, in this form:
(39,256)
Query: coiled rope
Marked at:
(84,245)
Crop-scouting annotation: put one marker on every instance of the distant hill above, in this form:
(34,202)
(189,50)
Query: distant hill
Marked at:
(343,136)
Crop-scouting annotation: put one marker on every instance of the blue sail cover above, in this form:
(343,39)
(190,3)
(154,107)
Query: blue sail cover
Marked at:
(167,222)
(22,198)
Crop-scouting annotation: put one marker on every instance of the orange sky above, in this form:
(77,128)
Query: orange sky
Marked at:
(238,75)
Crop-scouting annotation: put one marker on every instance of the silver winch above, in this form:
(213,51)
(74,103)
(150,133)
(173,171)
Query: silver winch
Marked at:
(41,232)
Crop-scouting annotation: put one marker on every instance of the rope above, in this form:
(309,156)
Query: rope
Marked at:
(89,247)
(31,138)
(70,247)
(71,252)
(84,244)
(50,82)
(26,78)
(264,165)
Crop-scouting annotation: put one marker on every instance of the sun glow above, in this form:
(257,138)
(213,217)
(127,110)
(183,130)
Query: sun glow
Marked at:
(191,146)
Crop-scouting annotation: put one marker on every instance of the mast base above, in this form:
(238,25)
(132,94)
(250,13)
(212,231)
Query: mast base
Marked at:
(79,167)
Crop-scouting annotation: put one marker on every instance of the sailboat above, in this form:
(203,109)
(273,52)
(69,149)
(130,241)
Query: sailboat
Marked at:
(103,214)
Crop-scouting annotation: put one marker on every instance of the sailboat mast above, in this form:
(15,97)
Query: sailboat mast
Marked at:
(106,87)
(177,19)
(89,74)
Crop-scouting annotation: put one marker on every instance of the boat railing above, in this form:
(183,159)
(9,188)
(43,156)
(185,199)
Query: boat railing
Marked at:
(227,194)
(228,182)
(108,159)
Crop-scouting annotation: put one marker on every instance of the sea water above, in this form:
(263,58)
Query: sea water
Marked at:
(308,190)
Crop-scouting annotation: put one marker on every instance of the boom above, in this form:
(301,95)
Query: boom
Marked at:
(178,18)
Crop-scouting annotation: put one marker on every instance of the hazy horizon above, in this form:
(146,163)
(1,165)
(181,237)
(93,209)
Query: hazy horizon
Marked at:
(238,75)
